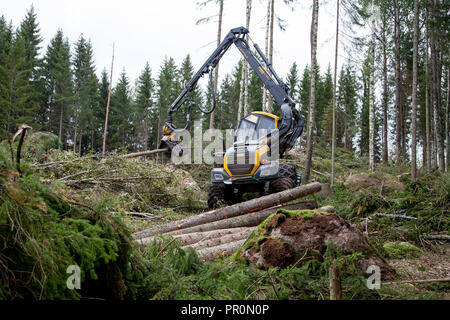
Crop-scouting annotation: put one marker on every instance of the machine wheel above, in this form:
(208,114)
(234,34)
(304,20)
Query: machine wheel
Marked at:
(216,193)
(281,184)
(288,170)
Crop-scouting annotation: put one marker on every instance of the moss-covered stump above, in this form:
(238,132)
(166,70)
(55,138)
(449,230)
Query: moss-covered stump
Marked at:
(286,237)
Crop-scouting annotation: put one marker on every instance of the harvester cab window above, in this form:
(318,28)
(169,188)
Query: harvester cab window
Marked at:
(254,127)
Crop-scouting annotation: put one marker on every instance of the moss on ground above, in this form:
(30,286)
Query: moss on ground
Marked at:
(399,250)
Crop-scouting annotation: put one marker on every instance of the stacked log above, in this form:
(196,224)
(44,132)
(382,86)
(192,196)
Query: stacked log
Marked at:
(224,230)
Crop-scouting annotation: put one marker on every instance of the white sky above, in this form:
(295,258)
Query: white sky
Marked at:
(151,30)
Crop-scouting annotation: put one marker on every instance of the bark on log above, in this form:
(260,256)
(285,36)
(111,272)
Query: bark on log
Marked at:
(247,220)
(191,238)
(235,210)
(335,283)
(209,254)
(233,237)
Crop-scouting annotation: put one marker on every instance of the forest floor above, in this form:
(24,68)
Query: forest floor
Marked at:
(140,194)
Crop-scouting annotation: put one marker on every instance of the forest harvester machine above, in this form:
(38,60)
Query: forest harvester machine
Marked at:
(261,139)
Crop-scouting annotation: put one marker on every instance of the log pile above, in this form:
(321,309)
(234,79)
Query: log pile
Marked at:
(224,230)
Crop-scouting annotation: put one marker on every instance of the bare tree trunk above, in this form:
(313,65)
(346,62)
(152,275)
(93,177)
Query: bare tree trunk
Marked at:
(372,96)
(436,94)
(245,66)
(270,102)
(216,75)
(75,133)
(311,113)
(447,133)
(105,131)
(427,108)
(398,113)
(60,125)
(266,52)
(335,283)
(414,92)
(385,95)
(241,94)
(145,138)
(333,138)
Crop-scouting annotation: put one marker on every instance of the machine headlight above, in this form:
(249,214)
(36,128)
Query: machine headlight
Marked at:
(218,177)
(269,169)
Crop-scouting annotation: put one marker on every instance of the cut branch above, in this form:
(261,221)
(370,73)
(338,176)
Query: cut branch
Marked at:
(145,153)
(436,237)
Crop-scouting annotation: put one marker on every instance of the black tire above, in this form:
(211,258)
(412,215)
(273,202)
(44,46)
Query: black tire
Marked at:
(216,193)
(281,184)
(288,170)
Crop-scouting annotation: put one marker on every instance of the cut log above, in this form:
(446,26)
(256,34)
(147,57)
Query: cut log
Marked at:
(247,220)
(242,235)
(235,210)
(191,238)
(209,254)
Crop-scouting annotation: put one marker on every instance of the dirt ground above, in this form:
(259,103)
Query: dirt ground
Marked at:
(432,264)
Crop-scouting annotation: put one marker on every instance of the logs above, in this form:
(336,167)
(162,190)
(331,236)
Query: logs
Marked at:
(234,210)
(224,230)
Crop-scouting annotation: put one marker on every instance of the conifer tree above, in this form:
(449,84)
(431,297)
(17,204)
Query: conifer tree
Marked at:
(86,96)
(59,86)
(29,33)
(120,127)
(145,109)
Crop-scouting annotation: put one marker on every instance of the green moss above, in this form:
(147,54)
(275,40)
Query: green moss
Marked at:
(399,250)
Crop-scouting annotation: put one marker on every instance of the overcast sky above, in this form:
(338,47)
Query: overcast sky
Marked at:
(152,30)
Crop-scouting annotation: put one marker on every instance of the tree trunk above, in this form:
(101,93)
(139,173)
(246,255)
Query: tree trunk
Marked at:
(436,92)
(333,134)
(427,108)
(447,135)
(398,112)
(245,66)
(105,131)
(372,96)
(335,283)
(266,52)
(216,75)
(385,95)
(414,92)
(235,210)
(241,94)
(272,14)
(311,113)
(60,124)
